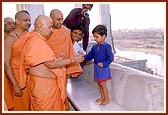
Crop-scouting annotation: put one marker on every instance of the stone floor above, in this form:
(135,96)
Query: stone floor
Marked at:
(83,97)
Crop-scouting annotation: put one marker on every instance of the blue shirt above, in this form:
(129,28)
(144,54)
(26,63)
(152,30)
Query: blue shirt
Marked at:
(101,53)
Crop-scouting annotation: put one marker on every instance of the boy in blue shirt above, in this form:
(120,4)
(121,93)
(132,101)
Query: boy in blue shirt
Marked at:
(103,56)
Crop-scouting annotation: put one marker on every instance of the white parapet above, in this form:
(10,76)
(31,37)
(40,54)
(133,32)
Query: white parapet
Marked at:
(132,89)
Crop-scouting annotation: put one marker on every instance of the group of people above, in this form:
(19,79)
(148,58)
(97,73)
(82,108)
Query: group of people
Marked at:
(37,64)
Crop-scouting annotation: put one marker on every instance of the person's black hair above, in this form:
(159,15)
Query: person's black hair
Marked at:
(25,12)
(100,29)
(77,28)
(91,5)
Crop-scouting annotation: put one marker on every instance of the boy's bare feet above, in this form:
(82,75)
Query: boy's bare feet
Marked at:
(105,102)
(99,100)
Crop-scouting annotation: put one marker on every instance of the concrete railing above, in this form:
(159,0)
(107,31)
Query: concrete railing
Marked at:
(132,89)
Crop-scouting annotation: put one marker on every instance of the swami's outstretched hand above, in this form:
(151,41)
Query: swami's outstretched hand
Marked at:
(77,58)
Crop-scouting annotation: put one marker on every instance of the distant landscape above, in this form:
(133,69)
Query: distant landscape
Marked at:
(146,40)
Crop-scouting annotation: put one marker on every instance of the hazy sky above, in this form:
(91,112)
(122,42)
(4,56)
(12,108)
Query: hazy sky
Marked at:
(124,15)
(138,15)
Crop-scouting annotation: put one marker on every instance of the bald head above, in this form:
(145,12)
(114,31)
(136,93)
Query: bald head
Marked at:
(55,12)
(43,25)
(22,20)
(57,18)
(8,25)
(21,13)
(7,19)
(42,19)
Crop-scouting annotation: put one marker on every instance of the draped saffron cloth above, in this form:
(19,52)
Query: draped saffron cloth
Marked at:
(20,103)
(8,93)
(46,93)
(60,41)
(5,106)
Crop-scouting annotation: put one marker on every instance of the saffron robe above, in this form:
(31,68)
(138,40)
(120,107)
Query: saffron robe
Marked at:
(20,103)
(8,97)
(8,93)
(46,94)
(60,41)
(5,106)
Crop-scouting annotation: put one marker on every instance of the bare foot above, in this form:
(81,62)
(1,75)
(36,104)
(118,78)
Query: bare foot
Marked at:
(99,100)
(105,102)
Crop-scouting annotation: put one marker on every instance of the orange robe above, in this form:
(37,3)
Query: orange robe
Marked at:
(46,93)
(60,41)
(9,104)
(8,93)
(5,106)
(20,103)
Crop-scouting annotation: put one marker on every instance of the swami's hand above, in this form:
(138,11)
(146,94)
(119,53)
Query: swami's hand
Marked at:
(77,58)
(17,91)
(83,53)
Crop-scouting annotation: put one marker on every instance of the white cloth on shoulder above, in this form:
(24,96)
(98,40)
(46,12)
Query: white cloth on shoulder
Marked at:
(77,48)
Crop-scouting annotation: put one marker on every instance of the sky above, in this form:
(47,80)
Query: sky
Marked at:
(124,15)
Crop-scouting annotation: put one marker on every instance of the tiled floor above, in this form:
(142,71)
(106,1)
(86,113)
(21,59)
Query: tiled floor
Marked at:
(83,95)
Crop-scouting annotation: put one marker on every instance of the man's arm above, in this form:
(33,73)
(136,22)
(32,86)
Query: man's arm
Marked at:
(44,69)
(8,45)
(63,62)
(85,25)
(73,18)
